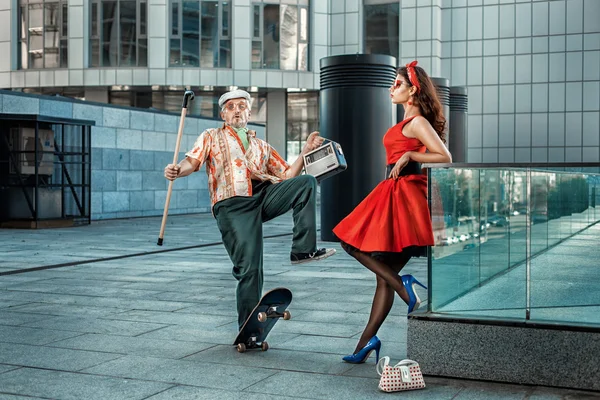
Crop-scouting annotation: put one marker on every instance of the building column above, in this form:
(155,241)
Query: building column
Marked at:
(9,53)
(158,46)
(77,24)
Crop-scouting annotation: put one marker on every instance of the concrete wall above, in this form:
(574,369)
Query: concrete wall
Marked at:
(130,148)
(529,355)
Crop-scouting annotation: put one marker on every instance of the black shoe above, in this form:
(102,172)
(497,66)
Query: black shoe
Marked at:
(299,258)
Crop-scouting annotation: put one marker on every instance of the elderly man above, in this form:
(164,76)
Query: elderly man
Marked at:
(249,183)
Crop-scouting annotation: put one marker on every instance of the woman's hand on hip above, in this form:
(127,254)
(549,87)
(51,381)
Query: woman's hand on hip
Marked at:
(400,164)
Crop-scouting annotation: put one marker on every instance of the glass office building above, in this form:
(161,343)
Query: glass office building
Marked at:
(532,68)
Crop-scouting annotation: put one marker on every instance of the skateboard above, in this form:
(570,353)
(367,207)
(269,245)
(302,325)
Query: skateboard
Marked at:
(269,309)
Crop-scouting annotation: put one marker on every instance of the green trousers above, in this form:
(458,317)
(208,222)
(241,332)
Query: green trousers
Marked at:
(240,221)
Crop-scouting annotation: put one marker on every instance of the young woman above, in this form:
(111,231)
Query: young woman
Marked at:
(392,223)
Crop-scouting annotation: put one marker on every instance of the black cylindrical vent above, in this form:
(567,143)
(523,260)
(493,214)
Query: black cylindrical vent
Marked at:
(355,111)
(457,133)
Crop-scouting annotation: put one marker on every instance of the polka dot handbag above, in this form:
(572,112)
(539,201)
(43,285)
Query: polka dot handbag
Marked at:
(406,375)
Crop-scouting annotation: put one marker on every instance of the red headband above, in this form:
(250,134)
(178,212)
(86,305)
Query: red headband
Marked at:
(412,75)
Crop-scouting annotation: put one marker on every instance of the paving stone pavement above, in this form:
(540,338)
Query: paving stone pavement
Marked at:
(159,325)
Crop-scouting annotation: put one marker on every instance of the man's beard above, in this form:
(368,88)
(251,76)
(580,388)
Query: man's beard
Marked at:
(238,123)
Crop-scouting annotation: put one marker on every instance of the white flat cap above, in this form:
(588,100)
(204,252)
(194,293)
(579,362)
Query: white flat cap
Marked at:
(234,94)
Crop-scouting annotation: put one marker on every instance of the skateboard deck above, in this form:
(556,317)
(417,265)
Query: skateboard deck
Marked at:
(269,309)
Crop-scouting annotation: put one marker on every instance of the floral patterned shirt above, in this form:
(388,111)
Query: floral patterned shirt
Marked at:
(230,168)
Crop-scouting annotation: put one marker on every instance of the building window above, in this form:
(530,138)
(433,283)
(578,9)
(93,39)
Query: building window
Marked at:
(118,34)
(302,119)
(200,33)
(43,34)
(280,35)
(381,28)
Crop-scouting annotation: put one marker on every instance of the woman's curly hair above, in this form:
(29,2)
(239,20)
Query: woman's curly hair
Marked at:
(427,100)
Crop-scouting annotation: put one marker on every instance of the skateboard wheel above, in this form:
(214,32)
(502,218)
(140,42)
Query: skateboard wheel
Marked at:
(287,315)
(241,348)
(264,346)
(262,317)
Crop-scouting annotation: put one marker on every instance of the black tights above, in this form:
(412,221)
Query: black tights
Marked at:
(388,282)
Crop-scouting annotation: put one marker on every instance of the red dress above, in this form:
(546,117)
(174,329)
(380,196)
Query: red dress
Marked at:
(394,217)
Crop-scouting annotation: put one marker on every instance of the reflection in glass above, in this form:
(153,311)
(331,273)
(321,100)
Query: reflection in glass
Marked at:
(110,39)
(201,35)
(271,36)
(128,30)
(64,37)
(493,225)
(118,33)
(289,37)
(382,29)
(303,24)
(256,54)
(280,40)
(43,34)
(225,31)
(539,212)
(24,56)
(142,50)
(209,25)
(190,52)
(225,54)
(455,220)
(256,22)
(51,35)
(143,19)
(36,36)
(174,52)
(174,18)
(517,217)
(302,56)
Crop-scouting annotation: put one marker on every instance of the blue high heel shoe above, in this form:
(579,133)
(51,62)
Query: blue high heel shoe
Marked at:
(363,354)
(409,283)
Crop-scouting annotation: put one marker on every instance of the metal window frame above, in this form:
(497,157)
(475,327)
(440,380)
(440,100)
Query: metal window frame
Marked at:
(179,34)
(23,8)
(100,26)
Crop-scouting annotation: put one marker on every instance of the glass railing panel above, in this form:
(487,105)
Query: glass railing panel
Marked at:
(455,214)
(493,226)
(518,216)
(563,192)
(579,201)
(556,220)
(479,267)
(539,212)
(595,197)
(565,280)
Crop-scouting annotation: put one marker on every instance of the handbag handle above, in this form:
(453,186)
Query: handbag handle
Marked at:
(383,362)
(406,362)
